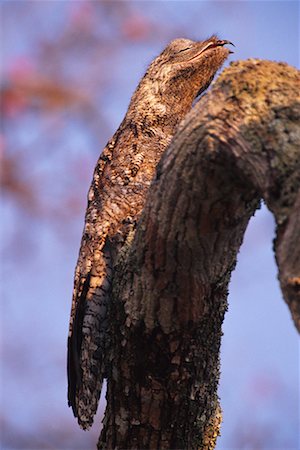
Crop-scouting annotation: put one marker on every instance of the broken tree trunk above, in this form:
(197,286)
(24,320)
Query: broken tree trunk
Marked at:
(239,144)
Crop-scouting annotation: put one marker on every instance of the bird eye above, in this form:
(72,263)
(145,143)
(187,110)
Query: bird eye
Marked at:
(184,49)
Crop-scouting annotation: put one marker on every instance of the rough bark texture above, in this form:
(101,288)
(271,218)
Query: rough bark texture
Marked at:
(238,145)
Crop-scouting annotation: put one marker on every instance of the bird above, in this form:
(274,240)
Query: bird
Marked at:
(121,179)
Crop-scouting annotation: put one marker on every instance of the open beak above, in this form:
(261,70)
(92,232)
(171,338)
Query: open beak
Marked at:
(209,44)
(217,43)
(223,42)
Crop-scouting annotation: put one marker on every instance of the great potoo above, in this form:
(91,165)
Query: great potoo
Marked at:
(115,200)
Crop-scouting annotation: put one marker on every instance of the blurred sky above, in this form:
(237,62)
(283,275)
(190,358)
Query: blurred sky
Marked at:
(68,69)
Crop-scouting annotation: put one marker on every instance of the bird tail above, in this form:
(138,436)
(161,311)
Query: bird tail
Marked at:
(88,341)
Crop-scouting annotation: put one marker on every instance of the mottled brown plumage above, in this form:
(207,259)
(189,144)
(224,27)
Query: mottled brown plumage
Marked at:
(116,197)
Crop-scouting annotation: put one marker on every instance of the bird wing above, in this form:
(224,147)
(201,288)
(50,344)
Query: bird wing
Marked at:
(115,200)
(88,337)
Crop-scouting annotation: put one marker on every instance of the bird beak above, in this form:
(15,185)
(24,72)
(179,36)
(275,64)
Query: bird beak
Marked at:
(216,43)
(223,42)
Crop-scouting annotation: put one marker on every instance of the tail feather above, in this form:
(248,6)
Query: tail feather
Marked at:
(89,339)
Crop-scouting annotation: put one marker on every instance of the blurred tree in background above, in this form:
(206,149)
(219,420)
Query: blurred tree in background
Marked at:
(59,61)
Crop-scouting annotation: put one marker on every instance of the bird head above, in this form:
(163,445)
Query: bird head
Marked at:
(185,68)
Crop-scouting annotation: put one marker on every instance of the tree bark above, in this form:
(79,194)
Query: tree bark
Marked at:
(238,145)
